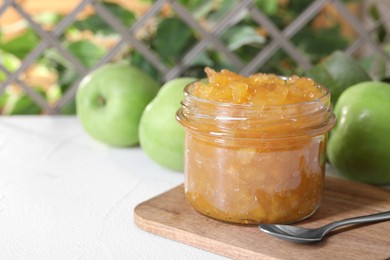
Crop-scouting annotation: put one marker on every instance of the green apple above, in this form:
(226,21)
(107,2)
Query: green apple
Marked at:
(161,136)
(338,72)
(359,145)
(110,102)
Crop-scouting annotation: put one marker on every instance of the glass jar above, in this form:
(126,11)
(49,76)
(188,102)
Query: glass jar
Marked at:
(255,164)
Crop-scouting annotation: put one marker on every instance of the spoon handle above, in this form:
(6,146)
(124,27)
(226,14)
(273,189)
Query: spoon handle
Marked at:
(356,220)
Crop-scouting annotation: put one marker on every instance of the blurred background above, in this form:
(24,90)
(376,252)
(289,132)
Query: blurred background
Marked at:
(47,47)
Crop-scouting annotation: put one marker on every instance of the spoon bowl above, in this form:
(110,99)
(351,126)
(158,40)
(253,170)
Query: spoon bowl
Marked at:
(310,235)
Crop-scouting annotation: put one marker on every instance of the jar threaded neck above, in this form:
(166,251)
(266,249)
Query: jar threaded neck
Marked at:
(311,118)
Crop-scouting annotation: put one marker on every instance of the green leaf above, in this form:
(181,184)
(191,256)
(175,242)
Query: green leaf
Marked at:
(196,68)
(269,7)
(297,7)
(67,74)
(337,73)
(221,62)
(96,24)
(48,18)
(141,62)
(381,32)
(203,60)
(238,36)
(203,9)
(18,104)
(320,43)
(173,36)
(70,108)
(22,45)
(224,8)
(10,62)
(87,52)
(193,3)
(53,94)
(67,77)
(3,100)
(375,65)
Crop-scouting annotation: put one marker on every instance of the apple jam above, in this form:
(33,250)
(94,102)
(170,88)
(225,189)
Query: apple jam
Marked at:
(255,146)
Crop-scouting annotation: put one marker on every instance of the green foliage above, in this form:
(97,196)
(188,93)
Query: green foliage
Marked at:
(96,24)
(375,65)
(381,32)
(87,52)
(141,62)
(19,104)
(48,18)
(67,73)
(168,44)
(320,43)
(223,9)
(191,4)
(172,38)
(269,7)
(22,45)
(337,73)
(70,108)
(242,35)
(10,62)
(202,9)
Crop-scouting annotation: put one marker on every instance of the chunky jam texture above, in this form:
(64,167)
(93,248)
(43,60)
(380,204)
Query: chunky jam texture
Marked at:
(258,89)
(260,183)
(254,180)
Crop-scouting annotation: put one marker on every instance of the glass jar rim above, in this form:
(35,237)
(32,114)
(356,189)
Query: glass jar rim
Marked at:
(325,94)
(311,117)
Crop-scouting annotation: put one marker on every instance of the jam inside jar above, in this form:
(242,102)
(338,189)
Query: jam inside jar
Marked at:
(251,163)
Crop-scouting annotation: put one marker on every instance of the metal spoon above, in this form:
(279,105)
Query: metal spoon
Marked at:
(306,235)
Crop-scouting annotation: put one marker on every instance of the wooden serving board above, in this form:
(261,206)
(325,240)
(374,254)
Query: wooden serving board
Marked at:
(170,216)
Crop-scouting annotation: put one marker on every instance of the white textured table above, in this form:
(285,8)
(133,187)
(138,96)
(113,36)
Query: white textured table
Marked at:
(66,196)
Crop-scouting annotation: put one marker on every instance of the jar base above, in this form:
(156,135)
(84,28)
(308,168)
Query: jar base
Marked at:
(227,218)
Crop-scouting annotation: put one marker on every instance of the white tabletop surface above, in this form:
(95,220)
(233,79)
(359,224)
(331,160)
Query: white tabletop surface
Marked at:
(66,196)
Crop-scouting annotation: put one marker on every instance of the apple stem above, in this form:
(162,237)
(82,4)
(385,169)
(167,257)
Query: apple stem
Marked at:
(101,101)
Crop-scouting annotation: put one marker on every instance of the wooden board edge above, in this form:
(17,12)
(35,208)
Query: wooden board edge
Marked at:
(192,239)
(143,219)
